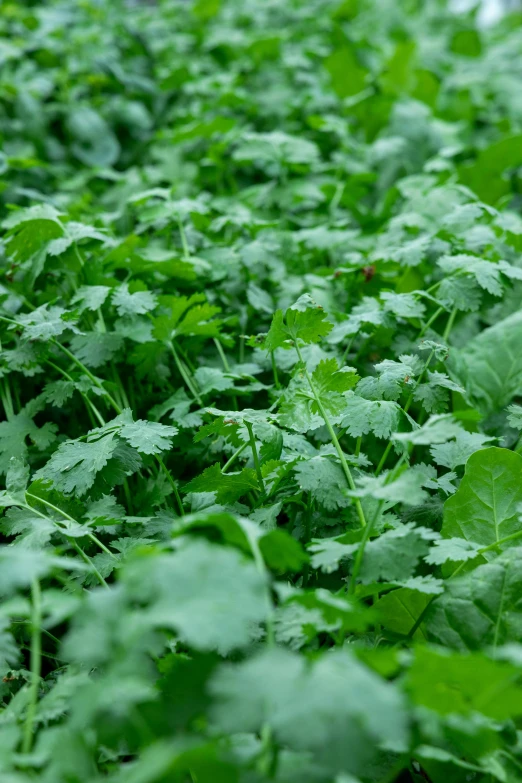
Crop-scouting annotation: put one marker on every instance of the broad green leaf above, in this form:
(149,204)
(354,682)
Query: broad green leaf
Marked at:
(482,608)
(400,609)
(449,682)
(484,508)
(490,366)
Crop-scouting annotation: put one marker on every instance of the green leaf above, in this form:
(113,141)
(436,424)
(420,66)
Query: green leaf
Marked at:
(299,409)
(456,550)
(325,479)
(46,322)
(363,416)
(328,553)
(461,293)
(490,367)
(95,349)
(136,303)
(347,75)
(486,273)
(228,487)
(90,297)
(407,488)
(438,429)
(148,437)
(481,608)
(30,231)
(17,477)
(484,508)
(74,466)
(393,376)
(14,434)
(449,683)
(457,452)
(281,552)
(94,142)
(403,305)
(19,566)
(399,610)
(395,554)
(515,416)
(305,322)
(219,612)
(318,708)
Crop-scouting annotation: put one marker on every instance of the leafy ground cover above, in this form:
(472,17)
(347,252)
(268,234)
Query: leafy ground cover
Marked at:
(260,371)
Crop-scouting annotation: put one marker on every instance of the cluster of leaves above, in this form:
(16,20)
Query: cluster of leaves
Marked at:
(261,386)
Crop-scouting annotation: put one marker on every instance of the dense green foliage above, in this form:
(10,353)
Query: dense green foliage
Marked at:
(260,366)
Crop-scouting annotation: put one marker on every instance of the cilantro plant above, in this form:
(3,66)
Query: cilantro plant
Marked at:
(261,392)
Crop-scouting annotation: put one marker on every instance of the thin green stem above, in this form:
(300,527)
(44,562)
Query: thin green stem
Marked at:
(255,455)
(433,318)
(36,664)
(90,405)
(449,325)
(78,256)
(222,354)
(406,408)
(128,496)
(226,366)
(347,350)
(184,374)
(173,484)
(308,534)
(368,529)
(344,464)
(501,541)
(11,321)
(263,570)
(8,395)
(88,373)
(274,370)
(337,196)
(7,403)
(184,243)
(120,387)
(234,456)
(71,541)
(89,562)
(360,552)
(46,633)
(65,515)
